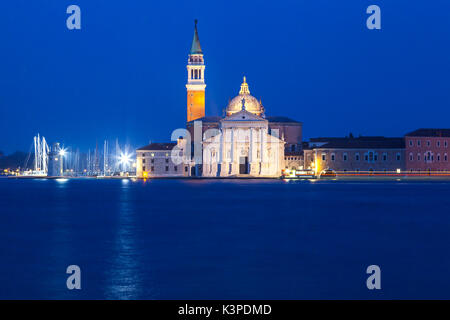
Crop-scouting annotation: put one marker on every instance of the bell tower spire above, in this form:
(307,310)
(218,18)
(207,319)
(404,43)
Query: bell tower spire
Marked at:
(195,80)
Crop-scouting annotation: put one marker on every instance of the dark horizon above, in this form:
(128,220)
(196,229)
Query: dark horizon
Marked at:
(123,74)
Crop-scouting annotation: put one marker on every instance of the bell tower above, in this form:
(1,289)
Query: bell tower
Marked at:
(196,80)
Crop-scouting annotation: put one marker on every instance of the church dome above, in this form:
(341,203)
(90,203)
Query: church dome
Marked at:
(251,104)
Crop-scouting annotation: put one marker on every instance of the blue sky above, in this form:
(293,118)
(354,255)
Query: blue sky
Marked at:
(123,74)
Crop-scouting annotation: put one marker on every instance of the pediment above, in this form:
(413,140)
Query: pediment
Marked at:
(243,115)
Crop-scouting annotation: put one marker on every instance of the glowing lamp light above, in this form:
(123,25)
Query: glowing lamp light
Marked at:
(62,152)
(124,158)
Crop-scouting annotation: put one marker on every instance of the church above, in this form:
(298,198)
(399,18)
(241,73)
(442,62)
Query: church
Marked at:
(244,142)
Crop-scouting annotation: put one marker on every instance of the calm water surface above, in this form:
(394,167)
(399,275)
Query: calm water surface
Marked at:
(202,239)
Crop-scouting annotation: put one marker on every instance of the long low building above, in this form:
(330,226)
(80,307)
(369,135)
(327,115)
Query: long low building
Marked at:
(358,155)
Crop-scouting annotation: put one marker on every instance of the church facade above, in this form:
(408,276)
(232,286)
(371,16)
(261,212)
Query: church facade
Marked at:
(243,145)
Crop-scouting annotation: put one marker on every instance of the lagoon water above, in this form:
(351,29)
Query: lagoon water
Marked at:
(224,239)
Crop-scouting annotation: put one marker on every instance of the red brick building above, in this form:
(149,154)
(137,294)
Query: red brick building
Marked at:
(427,151)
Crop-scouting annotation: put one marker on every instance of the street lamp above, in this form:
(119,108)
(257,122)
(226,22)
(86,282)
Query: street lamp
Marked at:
(62,152)
(124,159)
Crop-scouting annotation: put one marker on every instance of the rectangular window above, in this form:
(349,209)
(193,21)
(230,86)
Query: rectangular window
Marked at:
(152,169)
(398,156)
(410,143)
(185,169)
(344,157)
(143,168)
(153,160)
(384,156)
(332,157)
(175,168)
(167,168)
(418,143)
(357,157)
(167,160)
(143,160)
(324,157)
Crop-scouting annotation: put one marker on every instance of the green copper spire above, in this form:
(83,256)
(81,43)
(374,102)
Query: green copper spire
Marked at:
(196,48)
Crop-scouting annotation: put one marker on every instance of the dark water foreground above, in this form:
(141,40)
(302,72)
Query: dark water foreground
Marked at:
(246,239)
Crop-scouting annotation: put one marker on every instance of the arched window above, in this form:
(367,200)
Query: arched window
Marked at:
(192,74)
(196,74)
(199,74)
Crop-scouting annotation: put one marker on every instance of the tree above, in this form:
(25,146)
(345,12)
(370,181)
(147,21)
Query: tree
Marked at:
(14,161)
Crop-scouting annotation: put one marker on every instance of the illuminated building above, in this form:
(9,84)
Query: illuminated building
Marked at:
(427,151)
(157,160)
(55,163)
(242,144)
(244,141)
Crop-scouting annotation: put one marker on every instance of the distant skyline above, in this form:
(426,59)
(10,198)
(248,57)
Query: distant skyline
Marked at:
(123,74)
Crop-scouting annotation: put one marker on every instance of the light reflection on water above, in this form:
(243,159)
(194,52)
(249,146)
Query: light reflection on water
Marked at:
(125,278)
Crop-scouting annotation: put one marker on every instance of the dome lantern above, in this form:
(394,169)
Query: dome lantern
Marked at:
(244,87)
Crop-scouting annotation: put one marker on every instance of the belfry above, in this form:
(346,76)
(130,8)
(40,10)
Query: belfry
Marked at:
(196,80)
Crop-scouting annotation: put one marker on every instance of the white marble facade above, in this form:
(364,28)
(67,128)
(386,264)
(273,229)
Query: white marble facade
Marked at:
(242,147)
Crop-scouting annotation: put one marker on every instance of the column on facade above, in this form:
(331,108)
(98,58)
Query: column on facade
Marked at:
(222,153)
(234,163)
(250,153)
(262,145)
(263,150)
(254,166)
